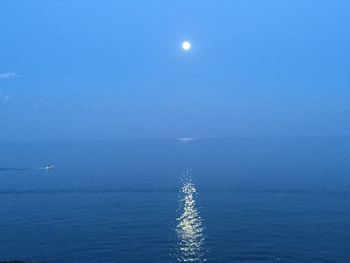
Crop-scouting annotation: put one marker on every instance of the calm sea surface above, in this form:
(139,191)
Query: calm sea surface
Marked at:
(213,200)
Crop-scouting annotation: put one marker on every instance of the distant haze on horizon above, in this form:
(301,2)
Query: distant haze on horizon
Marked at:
(77,70)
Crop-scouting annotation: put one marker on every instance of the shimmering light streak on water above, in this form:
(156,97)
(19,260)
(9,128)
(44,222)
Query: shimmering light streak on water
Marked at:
(189,226)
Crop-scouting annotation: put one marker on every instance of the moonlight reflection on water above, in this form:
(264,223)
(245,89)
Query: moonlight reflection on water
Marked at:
(189,227)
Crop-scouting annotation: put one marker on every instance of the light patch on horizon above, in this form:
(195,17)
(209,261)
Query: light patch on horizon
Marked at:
(8,75)
(186,139)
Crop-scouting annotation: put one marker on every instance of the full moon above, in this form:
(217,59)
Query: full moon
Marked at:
(186,45)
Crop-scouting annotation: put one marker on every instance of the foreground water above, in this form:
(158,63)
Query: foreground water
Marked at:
(239,200)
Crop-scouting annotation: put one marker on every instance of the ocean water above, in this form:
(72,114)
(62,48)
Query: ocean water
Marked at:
(205,200)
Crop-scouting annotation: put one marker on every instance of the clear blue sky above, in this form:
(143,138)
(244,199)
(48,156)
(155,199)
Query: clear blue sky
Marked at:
(76,69)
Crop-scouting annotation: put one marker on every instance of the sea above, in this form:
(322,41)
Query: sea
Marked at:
(176,200)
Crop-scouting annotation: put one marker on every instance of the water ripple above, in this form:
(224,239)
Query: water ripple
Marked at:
(189,227)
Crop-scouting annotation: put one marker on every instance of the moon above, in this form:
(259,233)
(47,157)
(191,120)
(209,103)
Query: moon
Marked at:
(186,45)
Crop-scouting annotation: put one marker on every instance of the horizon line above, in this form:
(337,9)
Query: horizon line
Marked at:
(175,138)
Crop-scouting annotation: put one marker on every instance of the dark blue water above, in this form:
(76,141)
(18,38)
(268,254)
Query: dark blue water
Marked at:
(238,200)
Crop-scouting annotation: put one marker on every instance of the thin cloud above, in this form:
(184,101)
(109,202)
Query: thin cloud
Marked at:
(8,75)
(4,98)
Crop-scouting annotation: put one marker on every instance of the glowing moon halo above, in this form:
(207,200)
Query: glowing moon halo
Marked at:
(186,45)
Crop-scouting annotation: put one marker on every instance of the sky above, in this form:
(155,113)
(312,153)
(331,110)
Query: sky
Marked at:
(80,70)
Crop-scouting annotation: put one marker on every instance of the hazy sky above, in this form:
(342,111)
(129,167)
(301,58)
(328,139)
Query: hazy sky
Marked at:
(77,69)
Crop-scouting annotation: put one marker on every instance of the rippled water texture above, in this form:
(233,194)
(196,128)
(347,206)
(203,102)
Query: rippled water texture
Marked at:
(243,200)
(190,227)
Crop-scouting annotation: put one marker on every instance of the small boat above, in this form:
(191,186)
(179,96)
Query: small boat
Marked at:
(49,167)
